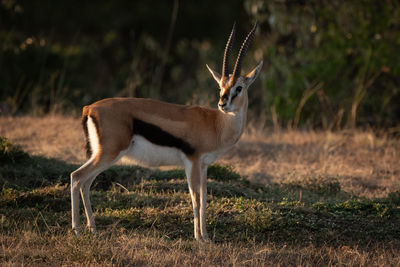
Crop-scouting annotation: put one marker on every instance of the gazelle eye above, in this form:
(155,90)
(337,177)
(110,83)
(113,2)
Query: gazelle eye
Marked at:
(238,89)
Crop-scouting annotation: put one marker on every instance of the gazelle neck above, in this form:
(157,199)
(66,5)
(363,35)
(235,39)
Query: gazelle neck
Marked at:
(233,124)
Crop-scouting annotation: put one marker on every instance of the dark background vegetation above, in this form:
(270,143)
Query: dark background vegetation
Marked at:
(328,64)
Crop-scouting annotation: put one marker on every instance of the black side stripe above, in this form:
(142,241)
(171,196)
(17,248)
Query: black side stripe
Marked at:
(158,136)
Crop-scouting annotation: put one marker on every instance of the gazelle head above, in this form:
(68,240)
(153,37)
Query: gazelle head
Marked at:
(233,87)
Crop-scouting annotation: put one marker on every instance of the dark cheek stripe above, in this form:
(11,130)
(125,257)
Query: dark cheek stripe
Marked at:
(158,136)
(234,96)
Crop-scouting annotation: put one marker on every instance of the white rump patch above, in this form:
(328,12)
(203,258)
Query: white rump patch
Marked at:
(93,137)
(93,142)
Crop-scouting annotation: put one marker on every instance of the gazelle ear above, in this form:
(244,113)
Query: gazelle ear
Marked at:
(215,74)
(252,76)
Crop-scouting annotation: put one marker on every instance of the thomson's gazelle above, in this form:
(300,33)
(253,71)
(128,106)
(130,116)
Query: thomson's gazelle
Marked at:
(155,133)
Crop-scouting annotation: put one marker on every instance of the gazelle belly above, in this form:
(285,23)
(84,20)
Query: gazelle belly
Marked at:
(148,154)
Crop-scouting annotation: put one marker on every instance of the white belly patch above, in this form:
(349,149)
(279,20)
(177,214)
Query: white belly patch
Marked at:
(148,154)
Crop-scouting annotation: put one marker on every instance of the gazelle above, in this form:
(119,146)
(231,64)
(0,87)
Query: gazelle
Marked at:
(155,133)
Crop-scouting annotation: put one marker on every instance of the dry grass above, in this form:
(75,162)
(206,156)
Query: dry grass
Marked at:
(128,248)
(55,137)
(278,229)
(363,163)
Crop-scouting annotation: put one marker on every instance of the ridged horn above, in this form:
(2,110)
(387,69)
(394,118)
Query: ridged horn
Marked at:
(228,47)
(242,52)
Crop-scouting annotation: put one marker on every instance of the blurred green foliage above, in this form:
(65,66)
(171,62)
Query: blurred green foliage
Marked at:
(328,64)
(342,57)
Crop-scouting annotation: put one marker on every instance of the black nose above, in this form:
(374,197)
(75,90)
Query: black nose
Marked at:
(223,101)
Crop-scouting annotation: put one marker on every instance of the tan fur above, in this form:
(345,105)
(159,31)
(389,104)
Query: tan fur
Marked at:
(210,132)
(197,125)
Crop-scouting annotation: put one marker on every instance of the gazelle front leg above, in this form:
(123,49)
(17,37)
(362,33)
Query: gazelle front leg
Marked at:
(203,202)
(192,170)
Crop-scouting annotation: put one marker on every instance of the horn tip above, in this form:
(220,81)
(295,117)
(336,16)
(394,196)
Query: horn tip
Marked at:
(255,25)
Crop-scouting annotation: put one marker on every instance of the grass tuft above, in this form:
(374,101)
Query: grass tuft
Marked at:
(222,173)
(10,153)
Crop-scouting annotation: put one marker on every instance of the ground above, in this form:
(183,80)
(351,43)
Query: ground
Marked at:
(363,163)
(287,198)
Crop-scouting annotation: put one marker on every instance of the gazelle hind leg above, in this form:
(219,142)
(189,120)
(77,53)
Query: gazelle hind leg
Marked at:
(85,193)
(81,180)
(85,190)
(78,179)
(75,204)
